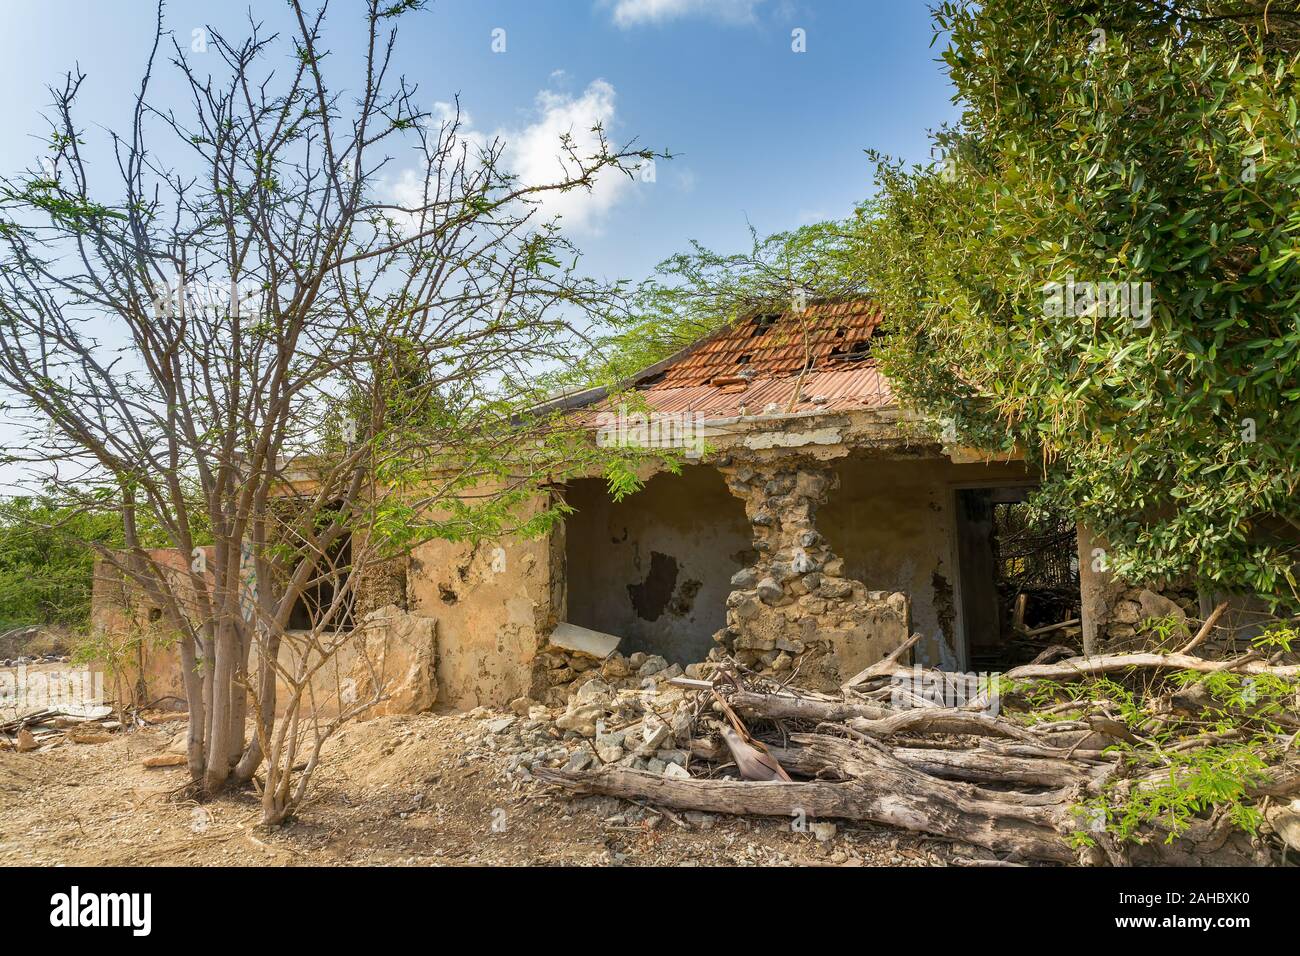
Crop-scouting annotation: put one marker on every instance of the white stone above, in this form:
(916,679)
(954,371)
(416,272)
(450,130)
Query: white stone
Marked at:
(823,831)
(582,640)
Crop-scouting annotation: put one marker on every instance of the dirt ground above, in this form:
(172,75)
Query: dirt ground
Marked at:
(394,791)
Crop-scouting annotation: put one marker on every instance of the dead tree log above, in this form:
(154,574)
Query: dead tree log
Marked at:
(1086,666)
(880,789)
(976,766)
(970,766)
(941,720)
(911,807)
(791,707)
(877,721)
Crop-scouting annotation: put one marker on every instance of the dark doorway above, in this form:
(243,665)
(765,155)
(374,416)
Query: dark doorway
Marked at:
(1019,578)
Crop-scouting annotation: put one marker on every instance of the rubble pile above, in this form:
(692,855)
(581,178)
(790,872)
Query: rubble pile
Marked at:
(566,671)
(1054,776)
(636,722)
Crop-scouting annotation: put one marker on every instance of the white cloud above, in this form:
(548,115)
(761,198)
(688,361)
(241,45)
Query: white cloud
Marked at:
(535,153)
(631,13)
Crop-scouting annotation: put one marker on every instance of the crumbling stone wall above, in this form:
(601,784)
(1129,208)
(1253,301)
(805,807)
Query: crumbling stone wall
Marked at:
(1113,609)
(793,608)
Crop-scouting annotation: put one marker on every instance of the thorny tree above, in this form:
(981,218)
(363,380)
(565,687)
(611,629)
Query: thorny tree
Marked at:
(253,350)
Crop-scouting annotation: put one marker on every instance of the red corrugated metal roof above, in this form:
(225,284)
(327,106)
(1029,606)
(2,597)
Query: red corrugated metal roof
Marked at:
(774,346)
(861,386)
(755,363)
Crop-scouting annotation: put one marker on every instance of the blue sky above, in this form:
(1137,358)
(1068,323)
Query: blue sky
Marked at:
(763,134)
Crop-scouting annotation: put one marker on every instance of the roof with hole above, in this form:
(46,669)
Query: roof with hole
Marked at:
(774,346)
(751,365)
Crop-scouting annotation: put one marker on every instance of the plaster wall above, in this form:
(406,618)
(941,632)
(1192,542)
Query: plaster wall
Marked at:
(893,523)
(655,568)
(493,603)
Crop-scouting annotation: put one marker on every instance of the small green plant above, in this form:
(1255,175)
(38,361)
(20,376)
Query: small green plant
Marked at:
(1163,628)
(1279,636)
(1259,697)
(1193,781)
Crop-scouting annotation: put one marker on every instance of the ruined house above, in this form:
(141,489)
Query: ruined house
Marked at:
(812,528)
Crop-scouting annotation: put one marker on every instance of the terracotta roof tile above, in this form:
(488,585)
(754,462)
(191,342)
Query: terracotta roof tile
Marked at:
(775,346)
(860,385)
(753,367)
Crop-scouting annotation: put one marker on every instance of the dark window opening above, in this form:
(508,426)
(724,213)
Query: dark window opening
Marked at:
(331,576)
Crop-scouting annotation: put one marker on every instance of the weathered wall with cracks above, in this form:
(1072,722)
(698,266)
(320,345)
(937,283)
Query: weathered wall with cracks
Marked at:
(493,602)
(892,521)
(655,568)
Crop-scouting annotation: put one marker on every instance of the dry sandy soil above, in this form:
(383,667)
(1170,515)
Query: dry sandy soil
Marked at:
(392,791)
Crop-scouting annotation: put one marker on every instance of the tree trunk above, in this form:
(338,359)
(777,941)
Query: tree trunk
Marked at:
(223,672)
(880,790)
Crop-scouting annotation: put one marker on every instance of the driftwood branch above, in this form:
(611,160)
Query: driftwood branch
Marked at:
(880,789)
(1089,666)
(1205,630)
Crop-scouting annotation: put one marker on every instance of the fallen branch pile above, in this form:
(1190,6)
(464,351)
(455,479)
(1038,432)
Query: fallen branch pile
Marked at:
(47,727)
(1124,759)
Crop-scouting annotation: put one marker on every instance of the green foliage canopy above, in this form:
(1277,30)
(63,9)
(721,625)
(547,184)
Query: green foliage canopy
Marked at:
(1128,143)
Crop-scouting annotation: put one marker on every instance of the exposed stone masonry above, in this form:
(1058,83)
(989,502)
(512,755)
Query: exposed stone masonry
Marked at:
(793,607)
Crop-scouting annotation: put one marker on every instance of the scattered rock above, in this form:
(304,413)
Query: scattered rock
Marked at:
(1157,605)
(499,725)
(165,760)
(652,665)
(823,831)
(654,736)
(1285,819)
(578,760)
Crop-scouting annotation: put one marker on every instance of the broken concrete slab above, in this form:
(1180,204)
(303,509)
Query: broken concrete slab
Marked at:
(583,640)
